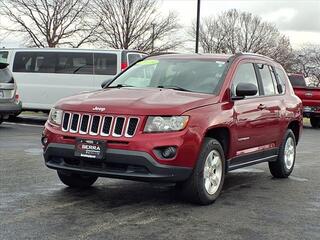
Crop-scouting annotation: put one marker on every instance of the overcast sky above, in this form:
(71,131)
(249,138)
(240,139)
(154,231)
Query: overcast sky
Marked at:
(299,20)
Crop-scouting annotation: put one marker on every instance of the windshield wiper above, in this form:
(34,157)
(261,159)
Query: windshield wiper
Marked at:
(178,88)
(120,86)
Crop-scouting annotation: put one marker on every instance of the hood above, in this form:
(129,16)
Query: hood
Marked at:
(136,101)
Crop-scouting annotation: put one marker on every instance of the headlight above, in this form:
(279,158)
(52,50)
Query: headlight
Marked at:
(55,116)
(166,124)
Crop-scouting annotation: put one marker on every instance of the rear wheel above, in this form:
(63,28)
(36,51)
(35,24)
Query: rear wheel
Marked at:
(283,167)
(205,184)
(315,122)
(76,180)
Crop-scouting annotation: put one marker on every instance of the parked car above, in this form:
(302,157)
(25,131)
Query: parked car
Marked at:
(310,97)
(10,105)
(187,119)
(46,75)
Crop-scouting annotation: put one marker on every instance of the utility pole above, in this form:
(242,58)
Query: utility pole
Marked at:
(152,37)
(198,27)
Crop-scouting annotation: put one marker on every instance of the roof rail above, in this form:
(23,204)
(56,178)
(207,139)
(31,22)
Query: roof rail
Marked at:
(252,54)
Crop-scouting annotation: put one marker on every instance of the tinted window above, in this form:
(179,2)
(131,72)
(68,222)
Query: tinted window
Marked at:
(267,81)
(74,63)
(5,74)
(282,78)
(297,80)
(53,62)
(105,64)
(4,56)
(189,74)
(245,74)
(133,57)
(41,62)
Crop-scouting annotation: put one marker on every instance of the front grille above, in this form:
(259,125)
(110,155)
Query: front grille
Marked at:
(118,128)
(103,125)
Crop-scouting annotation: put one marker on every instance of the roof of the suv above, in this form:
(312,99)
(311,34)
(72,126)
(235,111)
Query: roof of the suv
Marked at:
(194,56)
(211,56)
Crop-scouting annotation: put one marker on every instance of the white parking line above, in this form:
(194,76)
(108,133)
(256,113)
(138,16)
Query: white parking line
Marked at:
(23,124)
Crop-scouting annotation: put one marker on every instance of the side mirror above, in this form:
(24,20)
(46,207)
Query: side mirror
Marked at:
(106,83)
(245,89)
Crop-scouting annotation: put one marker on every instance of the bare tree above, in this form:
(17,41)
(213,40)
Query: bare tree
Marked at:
(307,61)
(235,31)
(49,23)
(135,24)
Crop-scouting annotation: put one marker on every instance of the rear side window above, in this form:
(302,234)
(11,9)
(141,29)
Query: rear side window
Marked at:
(105,64)
(245,74)
(4,56)
(133,57)
(74,63)
(282,76)
(267,80)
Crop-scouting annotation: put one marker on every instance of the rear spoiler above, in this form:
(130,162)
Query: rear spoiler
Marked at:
(3,65)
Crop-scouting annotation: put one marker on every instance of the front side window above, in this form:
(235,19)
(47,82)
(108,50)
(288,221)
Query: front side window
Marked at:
(245,74)
(267,81)
(191,75)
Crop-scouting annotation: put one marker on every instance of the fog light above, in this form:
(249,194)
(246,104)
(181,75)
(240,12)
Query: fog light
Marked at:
(168,152)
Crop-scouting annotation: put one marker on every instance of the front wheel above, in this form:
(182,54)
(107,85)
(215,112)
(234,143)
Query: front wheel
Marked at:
(283,167)
(205,184)
(75,180)
(315,122)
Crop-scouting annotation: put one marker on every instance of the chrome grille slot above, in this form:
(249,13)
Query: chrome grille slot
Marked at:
(106,126)
(84,124)
(103,125)
(66,122)
(118,127)
(75,123)
(131,127)
(94,128)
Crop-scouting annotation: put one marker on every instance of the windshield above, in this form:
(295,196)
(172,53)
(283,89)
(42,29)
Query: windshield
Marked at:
(201,76)
(5,75)
(297,81)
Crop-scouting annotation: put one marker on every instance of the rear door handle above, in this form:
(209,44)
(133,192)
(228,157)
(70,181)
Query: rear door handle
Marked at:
(262,107)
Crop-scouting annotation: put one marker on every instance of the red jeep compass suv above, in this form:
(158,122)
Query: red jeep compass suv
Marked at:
(187,119)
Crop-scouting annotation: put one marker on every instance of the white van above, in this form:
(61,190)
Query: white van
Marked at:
(46,75)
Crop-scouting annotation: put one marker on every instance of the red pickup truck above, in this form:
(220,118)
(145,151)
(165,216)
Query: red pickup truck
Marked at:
(310,97)
(187,119)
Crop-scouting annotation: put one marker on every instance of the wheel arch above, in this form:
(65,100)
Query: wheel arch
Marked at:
(222,135)
(295,127)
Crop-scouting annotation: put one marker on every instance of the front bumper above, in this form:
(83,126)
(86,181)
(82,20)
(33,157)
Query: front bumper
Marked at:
(123,164)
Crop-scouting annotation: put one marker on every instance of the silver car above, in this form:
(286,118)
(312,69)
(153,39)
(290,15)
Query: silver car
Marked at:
(10,105)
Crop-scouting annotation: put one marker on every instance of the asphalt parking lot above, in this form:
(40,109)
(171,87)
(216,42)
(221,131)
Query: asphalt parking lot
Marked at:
(253,205)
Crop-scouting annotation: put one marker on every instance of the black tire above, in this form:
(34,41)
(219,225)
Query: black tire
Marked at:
(75,180)
(194,188)
(281,168)
(315,122)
